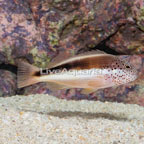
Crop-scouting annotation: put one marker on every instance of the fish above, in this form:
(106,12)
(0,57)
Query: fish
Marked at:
(91,71)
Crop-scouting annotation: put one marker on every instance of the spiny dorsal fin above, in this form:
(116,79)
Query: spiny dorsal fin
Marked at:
(96,52)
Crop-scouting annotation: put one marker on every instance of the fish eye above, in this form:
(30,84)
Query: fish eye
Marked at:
(127,66)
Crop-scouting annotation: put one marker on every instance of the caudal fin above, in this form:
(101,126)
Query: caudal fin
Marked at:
(25,75)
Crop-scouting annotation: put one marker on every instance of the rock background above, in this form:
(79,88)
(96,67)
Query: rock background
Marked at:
(38,30)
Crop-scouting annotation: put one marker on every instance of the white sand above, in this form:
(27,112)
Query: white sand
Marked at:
(43,119)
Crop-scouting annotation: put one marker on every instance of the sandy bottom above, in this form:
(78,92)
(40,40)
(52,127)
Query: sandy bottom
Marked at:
(44,119)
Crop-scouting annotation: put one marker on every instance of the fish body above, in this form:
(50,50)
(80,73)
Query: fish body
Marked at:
(91,71)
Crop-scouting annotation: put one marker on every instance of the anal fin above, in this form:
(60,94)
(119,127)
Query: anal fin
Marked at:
(88,91)
(54,86)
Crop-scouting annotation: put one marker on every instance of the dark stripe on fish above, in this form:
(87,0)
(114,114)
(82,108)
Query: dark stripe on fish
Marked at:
(81,64)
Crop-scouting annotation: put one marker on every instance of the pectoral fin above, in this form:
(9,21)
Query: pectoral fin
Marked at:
(88,91)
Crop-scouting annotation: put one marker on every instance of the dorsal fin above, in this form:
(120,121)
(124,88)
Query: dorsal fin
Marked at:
(65,56)
(62,56)
(95,52)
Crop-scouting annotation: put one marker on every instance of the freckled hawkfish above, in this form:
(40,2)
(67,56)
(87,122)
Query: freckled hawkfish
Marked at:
(91,71)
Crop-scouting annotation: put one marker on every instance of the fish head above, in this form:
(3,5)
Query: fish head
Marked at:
(123,72)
